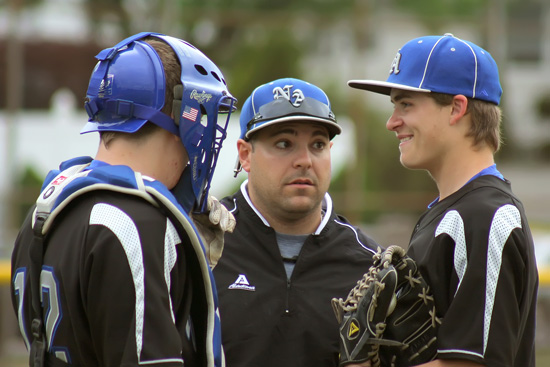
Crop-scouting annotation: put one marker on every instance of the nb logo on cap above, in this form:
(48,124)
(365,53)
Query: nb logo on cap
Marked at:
(394,69)
(295,97)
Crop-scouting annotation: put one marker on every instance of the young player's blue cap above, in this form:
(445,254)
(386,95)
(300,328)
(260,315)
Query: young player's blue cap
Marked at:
(442,64)
(284,100)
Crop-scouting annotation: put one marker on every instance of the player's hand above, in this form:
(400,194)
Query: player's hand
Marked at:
(212,226)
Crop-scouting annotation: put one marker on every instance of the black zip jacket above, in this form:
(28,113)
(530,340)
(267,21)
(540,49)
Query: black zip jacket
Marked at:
(269,321)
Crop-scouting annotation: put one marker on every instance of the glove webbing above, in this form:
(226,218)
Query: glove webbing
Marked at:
(350,304)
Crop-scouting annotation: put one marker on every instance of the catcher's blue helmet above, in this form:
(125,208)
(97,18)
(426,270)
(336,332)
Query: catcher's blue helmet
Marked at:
(127,89)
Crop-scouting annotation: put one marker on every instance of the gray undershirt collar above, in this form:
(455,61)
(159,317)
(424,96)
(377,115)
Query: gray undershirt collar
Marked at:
(290,246)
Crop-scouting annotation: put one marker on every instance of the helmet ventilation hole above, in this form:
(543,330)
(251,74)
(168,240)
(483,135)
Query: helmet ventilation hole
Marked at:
(215,76)
(201,70)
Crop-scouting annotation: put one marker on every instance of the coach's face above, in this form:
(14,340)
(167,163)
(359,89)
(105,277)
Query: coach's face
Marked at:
(289,169)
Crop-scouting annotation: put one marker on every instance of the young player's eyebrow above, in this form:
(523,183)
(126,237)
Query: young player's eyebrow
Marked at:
(399,96)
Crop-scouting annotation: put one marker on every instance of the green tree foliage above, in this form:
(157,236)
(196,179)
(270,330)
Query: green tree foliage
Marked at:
(259,40)
(273,56)
(435,14)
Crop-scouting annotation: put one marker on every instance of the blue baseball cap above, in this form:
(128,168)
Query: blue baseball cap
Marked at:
(284,100)
(442,64)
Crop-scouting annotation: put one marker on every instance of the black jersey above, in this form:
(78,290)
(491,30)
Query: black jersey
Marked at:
(121,282)
(476,251)
(107,295)
(268,320)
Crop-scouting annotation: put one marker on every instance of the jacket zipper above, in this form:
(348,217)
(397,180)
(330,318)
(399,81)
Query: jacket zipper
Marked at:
(287,304)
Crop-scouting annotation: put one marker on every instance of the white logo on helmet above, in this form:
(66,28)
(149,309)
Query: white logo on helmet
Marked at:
(106,86)
(296,97)
(201,97)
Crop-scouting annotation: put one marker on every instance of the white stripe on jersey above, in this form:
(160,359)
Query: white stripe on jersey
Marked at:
(124,228)
(453,225)
(171,239)
(506,219)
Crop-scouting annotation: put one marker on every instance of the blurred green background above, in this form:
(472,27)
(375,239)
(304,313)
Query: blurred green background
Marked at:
(49,45)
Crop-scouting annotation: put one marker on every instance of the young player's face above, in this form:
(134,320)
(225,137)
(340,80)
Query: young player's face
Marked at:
(288,167)
(420,124)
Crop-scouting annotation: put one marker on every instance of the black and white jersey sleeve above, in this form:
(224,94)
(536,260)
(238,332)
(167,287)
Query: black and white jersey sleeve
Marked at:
(476,251)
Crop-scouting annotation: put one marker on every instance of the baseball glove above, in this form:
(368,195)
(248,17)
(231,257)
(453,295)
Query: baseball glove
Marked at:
(389,317)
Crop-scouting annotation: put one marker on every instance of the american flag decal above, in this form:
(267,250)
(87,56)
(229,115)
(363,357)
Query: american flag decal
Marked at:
(190,113)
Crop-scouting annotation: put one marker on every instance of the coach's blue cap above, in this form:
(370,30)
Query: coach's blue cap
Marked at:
(284,100)
(442,64)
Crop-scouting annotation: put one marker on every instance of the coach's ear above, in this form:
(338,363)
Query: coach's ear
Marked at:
(459,107)
(245,150)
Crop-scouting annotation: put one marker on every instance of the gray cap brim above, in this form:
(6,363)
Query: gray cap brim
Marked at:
(382,87)
(332,127)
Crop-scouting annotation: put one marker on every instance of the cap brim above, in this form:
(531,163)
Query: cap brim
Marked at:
(382,87)
(333,128)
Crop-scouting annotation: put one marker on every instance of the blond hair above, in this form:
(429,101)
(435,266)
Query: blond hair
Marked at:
(486,118)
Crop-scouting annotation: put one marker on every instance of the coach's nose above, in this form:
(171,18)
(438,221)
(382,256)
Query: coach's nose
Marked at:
(302,157)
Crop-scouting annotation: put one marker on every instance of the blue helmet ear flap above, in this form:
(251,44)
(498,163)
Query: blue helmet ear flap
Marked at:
(127,89)
(176,103)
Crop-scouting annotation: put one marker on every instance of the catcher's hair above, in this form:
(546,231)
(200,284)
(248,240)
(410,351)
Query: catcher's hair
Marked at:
(172,72)
(486,118)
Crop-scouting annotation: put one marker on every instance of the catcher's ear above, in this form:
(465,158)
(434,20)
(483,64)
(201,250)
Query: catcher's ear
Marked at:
(245,151)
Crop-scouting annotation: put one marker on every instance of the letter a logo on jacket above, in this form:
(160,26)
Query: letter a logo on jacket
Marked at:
(242,283)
